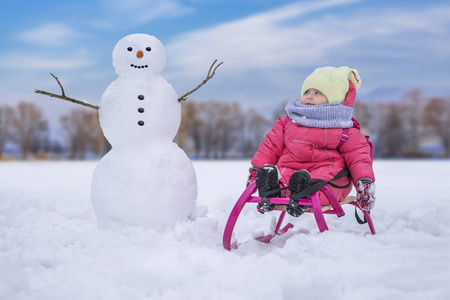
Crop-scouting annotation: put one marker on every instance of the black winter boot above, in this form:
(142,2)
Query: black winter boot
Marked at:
(300,180)
(268,186)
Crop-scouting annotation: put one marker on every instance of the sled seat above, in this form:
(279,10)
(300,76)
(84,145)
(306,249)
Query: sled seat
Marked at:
(335,208)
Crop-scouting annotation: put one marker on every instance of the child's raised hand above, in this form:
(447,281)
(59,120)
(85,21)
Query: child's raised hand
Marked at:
(365,197)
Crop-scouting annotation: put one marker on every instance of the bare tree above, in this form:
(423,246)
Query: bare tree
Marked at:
(361,112)
(412,115)
(6,113)
(83,132)
(209,115)
(230,121)
(390,132)
(254,129)
(190,132)
(437,117)
(279,111)
(29,127)
(71,125)
(97,142)
(216,129)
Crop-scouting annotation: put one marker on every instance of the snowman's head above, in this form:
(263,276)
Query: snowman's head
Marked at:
(139,54)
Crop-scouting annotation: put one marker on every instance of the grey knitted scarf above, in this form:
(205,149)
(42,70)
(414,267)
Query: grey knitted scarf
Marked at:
(329,115)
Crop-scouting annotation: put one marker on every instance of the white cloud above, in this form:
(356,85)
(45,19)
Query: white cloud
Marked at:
(131,13)
(306,35)
(48,35)
(264,40)
(25,61)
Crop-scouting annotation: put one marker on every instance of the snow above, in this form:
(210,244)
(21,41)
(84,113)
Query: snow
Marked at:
(152,61)
(141,185)
(143,88)
(51,247)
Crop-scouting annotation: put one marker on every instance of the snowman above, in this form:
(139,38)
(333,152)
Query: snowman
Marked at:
(145,179)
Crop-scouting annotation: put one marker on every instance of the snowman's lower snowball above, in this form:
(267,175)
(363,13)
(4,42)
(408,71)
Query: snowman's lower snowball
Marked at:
(144,186)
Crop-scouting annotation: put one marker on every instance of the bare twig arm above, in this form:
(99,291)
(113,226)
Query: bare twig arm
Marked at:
(64,97)
(208,77)
(211,73)
(84,103)
(60,85)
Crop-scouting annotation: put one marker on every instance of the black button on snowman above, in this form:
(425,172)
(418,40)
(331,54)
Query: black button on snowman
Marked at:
(145,179)
(140,109)
(140,54)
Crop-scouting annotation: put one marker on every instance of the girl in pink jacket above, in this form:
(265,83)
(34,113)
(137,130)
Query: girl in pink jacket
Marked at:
(316,143)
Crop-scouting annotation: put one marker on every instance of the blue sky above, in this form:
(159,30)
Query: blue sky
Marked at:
(268,47)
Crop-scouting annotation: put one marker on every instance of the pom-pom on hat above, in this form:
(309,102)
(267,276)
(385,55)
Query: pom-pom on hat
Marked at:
(332,82)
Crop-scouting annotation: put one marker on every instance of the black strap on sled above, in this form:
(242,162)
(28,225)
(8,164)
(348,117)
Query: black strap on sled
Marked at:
(318,184)
(358,219)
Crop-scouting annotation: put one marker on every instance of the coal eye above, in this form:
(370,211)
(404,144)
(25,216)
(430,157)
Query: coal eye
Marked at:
(130,49)
(148,49)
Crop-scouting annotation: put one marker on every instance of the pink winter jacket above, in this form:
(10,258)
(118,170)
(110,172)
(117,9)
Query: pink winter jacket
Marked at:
(292,147)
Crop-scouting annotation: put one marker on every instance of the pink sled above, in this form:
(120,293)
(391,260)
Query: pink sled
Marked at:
(335,208)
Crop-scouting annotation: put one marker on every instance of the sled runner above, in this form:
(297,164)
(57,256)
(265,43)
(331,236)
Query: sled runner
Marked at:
(334,208)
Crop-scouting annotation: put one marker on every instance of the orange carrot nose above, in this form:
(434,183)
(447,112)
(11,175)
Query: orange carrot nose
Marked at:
(139,54)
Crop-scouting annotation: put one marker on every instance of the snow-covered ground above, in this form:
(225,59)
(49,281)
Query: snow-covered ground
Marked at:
(51,248)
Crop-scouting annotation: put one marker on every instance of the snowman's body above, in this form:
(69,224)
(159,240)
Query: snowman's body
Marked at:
(145,179)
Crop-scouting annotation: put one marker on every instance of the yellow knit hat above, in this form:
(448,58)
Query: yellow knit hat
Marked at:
(332,82)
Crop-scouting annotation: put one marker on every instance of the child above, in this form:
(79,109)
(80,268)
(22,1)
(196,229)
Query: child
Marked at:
(310,145)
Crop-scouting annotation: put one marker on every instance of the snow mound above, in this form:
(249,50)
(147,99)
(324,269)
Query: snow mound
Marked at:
(51,247)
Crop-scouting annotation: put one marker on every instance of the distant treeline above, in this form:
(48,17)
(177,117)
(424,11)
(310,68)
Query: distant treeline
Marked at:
(406,127)
(222,130)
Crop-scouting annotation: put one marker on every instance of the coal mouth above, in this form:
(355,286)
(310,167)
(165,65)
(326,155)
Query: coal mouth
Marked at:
(139,67)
